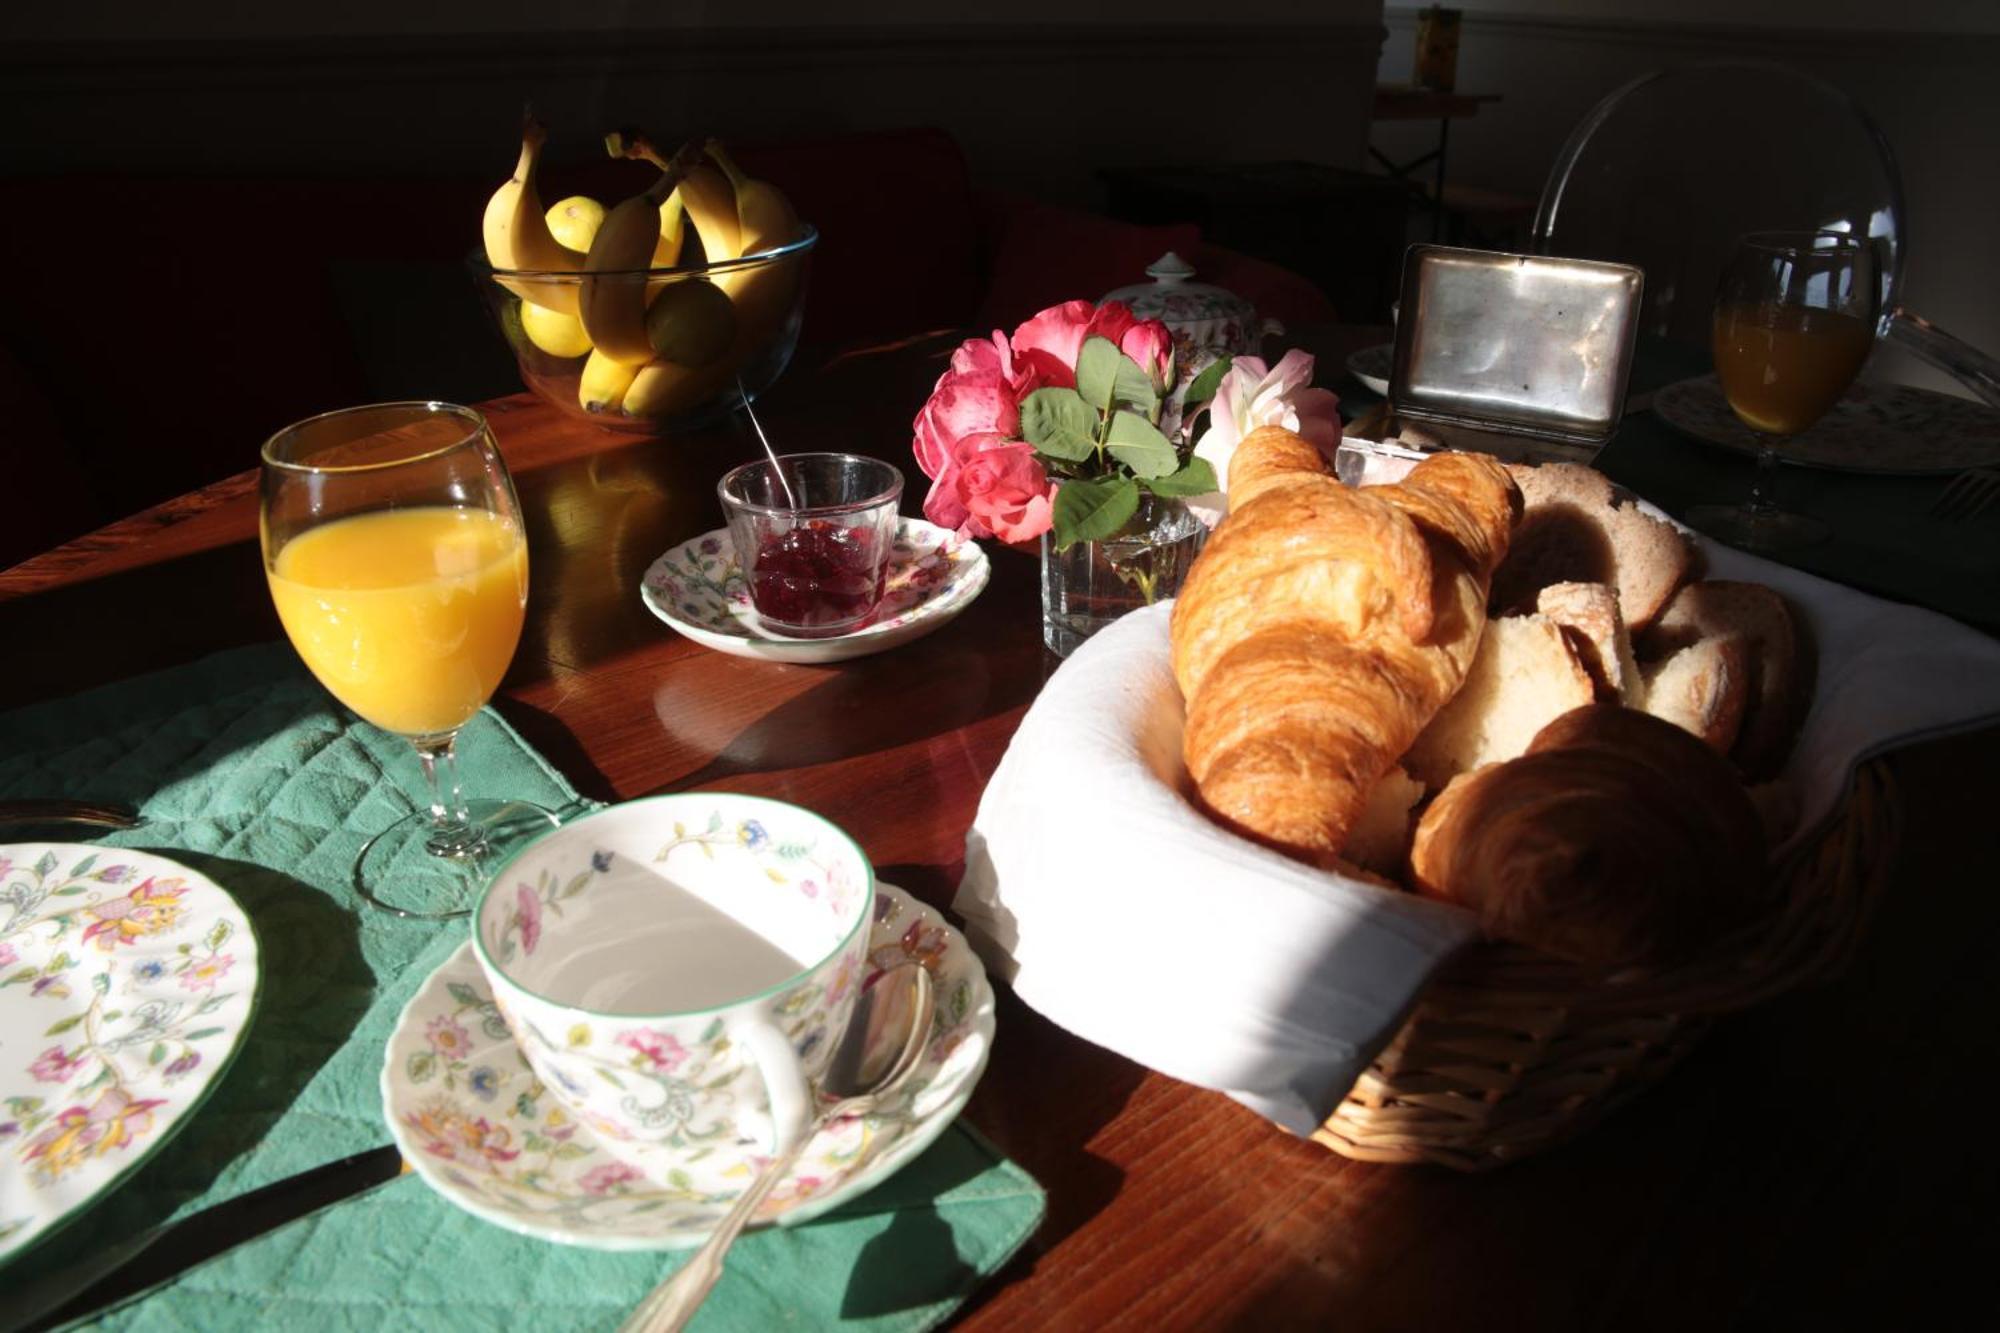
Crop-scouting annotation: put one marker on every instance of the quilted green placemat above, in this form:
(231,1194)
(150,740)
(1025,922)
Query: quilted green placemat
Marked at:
(899,1258)
(246,770)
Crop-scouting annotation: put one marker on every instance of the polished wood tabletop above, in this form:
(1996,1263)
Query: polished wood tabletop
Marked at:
(1820,1162)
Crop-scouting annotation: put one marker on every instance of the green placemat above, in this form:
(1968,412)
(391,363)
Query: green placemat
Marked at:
(901,1257)
(245,769)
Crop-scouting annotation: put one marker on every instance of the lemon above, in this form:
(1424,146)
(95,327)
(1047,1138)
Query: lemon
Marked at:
(554,332)
(574,221)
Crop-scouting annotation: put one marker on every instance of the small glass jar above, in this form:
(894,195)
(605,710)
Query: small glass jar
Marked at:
(813,542)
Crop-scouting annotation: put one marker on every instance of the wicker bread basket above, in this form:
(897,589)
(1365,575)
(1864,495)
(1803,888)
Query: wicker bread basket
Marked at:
(1510,1051)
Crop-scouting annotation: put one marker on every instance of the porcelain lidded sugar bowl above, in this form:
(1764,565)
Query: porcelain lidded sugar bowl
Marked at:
(1207,321)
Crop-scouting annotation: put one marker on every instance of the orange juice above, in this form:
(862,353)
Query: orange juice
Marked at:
(1783,366)
(409,616)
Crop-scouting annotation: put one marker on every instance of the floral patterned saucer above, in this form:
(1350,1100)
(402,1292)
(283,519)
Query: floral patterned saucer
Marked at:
(698,589)
(1889,429)
(127,983)
(474,1122)
(1373,366)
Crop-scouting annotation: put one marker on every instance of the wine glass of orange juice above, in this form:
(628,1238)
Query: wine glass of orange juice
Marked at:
(1794,320)
(395,553)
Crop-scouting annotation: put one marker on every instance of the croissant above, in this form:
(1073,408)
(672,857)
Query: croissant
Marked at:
(1322,627)
(1617,839)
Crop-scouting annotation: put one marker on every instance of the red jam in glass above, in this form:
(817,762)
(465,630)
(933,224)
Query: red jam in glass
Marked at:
(817,576)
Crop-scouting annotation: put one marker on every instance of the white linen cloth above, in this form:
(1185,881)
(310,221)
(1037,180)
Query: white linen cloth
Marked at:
(1122,913)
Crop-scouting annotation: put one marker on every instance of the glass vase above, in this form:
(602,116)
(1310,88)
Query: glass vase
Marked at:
(1091,584)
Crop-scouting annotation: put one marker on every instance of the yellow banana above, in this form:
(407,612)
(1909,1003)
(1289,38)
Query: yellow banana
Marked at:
(612,298)
(663,389)
(765,219)
(516,231)
(605,382)
(673,231)
(706,195)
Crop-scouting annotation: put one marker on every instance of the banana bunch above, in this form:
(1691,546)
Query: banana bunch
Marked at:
(652,342)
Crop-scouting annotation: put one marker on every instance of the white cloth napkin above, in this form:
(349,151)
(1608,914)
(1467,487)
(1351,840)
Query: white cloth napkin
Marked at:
(1123,914)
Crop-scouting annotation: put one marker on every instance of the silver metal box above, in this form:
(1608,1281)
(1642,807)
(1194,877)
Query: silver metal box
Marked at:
(1517,344)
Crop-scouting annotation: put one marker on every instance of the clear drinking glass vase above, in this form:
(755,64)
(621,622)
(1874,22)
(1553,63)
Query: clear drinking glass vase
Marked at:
(1091,584)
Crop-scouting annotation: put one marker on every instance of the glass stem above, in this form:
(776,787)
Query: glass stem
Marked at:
(451,826)
(1764,490)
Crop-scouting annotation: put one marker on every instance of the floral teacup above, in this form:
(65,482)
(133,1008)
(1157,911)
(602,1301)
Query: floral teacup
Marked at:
(676,969)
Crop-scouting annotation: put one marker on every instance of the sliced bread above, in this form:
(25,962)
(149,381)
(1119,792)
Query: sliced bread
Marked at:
(1702,689)
(1588,614)
(1576,527)
(1775,662)
(1524,676)
(1380,839)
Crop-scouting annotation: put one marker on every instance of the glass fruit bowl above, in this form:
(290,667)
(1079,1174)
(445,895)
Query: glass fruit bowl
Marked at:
(715,335)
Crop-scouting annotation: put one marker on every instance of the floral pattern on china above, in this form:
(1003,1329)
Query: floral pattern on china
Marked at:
(651,1072)
(1209,323)
(487,1135)
(126,983)
(702,581)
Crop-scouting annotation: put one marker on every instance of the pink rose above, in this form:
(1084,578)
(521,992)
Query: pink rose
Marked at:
(992,487)
(1053,339)
(1253,394)
(973,397)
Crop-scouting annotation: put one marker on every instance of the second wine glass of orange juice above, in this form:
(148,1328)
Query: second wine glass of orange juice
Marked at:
(396,557)
(1794,320)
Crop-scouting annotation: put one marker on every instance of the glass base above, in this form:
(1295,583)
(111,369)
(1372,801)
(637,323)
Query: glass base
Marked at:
(419,870)
(1756,529)
(1094,583)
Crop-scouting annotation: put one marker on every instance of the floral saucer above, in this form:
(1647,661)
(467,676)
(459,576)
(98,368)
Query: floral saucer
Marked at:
(1888,429)
(1372,366)
(127,982)
(477,1126)
(698,589)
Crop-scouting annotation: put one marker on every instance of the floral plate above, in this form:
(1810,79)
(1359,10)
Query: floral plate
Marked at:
(127,982)
(698,589)
(1890,429)
(1372,366)
(474,1122)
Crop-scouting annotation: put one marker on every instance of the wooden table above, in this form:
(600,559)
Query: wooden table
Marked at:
(1820,1162)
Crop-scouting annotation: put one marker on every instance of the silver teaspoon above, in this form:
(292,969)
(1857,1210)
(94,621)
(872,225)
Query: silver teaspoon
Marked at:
(883,1044)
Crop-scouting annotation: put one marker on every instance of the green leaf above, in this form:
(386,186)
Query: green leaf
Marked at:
(82,868)
(61,962)
(570,1151)
(1092,510)
(680,1179)
(463,994)
(157,1054)
(218,935)
(1097,372)
(199,1033)
(421,1066)
(1135,386)
(1059,424)
(25,974)
(1204,386)
(1138,444)
(45,865)
(63,1025)
(70,890)
(1197,478)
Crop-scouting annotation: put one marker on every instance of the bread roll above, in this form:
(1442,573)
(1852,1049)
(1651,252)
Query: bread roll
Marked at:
(1588,614)
(1775,661)
(1524,677)
(1617,840)
(1576,527)
(1702,689)
(1322,628)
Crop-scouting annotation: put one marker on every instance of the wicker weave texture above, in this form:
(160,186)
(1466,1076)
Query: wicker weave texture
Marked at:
(1509,1051)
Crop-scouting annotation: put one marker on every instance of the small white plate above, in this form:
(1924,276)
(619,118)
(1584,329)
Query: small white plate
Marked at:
(480,1129)
(127,983)
(1371,366)
(698,589)
(1886,429)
